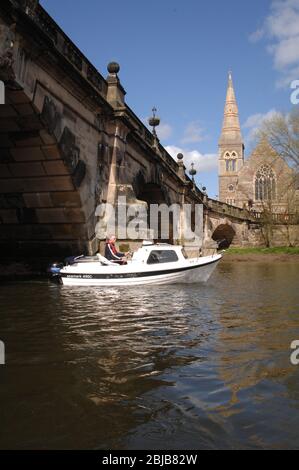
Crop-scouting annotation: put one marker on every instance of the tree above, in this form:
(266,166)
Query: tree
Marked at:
(282,133)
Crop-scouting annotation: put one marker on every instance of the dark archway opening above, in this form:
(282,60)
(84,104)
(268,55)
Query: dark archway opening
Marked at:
(223,235)
(152,193)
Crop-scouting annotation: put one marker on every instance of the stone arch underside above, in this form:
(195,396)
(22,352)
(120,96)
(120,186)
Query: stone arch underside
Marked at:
(224,235)
(154,193)
(42,211)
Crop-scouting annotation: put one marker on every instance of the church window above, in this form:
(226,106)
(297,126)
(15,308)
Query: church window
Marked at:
(265,184)
(231,187)
(230,161)
(230,164)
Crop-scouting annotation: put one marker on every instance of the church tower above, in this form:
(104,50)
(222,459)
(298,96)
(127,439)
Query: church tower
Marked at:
(231,148)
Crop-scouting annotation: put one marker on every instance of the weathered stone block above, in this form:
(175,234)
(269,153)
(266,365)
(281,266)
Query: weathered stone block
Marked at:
(4,171)
(19,97)
(51,152)
(26,216)
(60,216)
(9,125)
(70,152)
(50,116)
(27,154)
(5,155)
(59,183)
(47,138)
(7,111)
(56,167)
(27,139)
(8,216)
(24,109)
(11,201)
(29,123)
(38,200)
(66,199)
(27,169)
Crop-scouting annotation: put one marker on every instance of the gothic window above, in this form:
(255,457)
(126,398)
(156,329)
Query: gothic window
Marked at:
(265,184)
(230,161)
(231,187)
(230,164)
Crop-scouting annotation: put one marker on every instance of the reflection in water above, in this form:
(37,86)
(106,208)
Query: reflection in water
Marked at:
(188,367)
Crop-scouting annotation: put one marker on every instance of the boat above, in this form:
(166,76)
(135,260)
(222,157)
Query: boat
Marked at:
(153,263)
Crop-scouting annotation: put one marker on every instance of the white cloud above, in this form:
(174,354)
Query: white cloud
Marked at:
(164,131)
(254,122)
(281,28)
(256,36)
(202,162)
(193,133)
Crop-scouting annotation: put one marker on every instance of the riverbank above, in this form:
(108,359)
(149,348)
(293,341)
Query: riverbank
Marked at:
(280,254)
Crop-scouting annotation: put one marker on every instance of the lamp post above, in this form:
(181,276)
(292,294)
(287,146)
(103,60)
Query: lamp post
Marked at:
(154,121)
(192,172)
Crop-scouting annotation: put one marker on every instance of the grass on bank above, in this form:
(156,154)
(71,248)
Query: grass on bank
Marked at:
(281,250)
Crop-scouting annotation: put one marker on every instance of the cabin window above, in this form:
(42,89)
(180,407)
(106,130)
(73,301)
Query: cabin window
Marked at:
(162,256)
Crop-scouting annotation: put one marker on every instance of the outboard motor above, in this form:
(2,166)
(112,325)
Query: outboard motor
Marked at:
(54,270)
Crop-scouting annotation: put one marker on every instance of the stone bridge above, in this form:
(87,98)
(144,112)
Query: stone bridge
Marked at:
(69,141)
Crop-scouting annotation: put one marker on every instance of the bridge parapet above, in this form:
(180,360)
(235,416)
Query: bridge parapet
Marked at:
(232,211)
(59,40)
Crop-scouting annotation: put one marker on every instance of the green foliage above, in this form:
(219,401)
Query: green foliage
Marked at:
(258,250)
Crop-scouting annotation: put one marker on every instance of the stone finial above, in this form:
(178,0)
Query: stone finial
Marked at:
(113,68)
(115,93)
(181,166)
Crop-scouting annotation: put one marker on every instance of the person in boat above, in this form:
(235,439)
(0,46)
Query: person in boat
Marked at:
(111,252)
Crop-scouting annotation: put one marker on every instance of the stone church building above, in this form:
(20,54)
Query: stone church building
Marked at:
(264,180)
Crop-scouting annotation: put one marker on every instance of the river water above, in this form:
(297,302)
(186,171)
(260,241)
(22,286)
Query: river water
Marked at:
(188,367)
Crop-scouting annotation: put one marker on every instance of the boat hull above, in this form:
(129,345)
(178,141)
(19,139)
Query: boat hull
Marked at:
(196,272)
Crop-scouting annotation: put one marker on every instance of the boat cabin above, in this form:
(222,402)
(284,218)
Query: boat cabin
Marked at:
(159,253)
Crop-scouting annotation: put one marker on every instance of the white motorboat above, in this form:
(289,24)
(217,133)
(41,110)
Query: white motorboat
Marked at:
(150,264)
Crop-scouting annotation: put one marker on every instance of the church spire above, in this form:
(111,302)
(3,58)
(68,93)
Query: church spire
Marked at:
(231,130)
(231,148)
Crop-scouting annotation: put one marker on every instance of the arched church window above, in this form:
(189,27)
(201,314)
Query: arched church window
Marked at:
(265,184)
(230,164)
(230,161)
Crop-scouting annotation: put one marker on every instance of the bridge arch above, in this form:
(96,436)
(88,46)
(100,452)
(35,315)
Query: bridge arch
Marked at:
(154,193)
(224,235)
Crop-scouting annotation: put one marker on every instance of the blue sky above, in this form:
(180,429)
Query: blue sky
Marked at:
(175,54)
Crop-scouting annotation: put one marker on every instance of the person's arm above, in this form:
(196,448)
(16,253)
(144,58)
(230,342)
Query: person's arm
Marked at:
(119,254)
(111,255)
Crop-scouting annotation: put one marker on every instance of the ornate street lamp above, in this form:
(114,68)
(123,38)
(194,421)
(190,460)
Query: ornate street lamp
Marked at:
(154,121)
(192,172)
